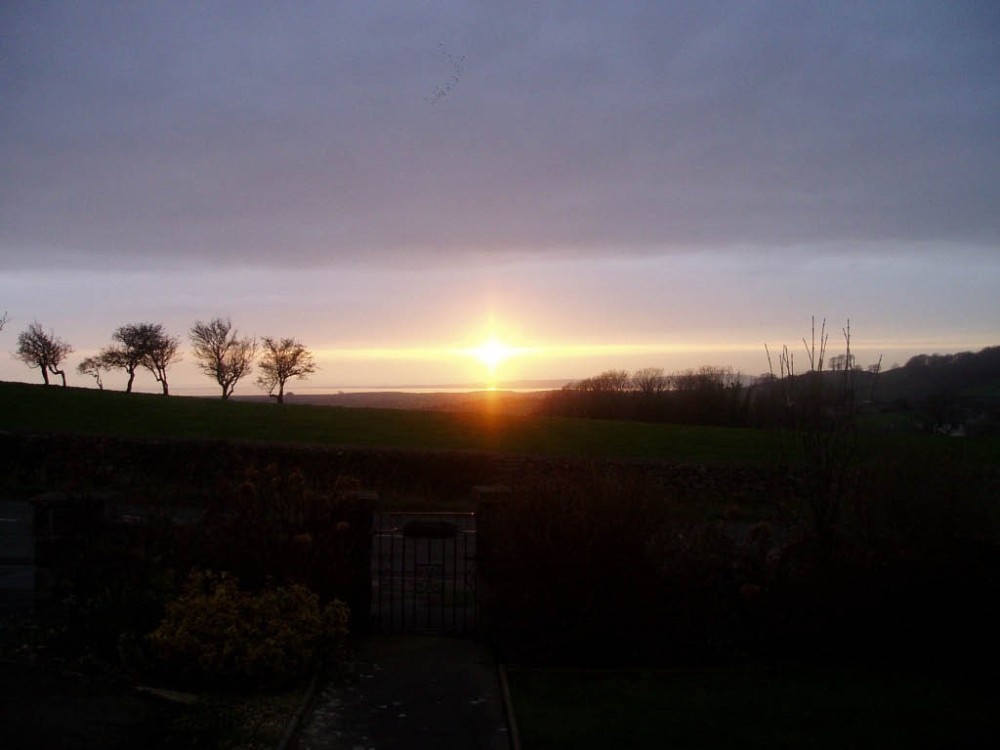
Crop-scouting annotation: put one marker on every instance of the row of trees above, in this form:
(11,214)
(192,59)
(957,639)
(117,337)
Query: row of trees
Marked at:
(652,380)
(708,395)
(221,353)
(227,358)
(138,345)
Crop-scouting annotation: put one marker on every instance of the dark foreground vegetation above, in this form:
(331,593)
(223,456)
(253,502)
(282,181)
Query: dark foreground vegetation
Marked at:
(930,393)
(220,590)
(748,708)
(240,562)
(864,547)
(609,571)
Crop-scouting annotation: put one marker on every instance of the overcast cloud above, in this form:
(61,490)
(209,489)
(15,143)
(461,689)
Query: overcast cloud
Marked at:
(169,134)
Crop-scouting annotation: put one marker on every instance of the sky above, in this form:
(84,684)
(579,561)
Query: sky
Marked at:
(596,185)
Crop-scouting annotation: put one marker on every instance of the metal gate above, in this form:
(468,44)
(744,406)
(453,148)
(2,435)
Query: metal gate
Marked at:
(424,573)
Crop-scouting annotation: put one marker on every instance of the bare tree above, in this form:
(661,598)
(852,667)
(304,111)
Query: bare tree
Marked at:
(614,381)
(161,351)
(3,320)
(283,359)
(133,342)
(707,378)
(222,354)
(95,367)
(650,380)
(141,345)
(36,348)
(840,362)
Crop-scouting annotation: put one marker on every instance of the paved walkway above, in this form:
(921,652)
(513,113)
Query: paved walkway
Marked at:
(410,692)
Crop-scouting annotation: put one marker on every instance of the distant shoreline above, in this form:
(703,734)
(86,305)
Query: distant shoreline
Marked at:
(308,390)
(507,401)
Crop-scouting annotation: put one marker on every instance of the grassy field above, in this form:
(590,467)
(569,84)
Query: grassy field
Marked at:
(747,709)
(562,709)
(92,412)
(88,411)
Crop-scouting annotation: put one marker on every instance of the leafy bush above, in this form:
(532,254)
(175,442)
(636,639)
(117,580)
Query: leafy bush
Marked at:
(216,632)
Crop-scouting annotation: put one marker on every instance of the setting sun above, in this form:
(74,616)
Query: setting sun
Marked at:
(492,352)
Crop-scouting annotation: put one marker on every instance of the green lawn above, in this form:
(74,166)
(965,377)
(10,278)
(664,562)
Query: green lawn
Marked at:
(88,411)
(747,709)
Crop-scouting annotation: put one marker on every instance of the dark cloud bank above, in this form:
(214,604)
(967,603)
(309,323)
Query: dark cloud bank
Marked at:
(306,134)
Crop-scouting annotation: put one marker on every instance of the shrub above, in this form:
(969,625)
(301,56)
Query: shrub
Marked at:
(271,524)
(218,633)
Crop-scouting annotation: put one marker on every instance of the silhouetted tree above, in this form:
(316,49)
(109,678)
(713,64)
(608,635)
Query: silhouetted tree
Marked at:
(649,387)
(707,378)
(603,396)
(615,381)
(162,350)
(135,341)
(222,354)
(650,380)
(94,366)
(817,431)
(843,362)
(3,320)
(282,360)
(708,395)
(36,348)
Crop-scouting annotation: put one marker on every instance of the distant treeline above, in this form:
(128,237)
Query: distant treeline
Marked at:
(935,375)
(944,388)
(708,395)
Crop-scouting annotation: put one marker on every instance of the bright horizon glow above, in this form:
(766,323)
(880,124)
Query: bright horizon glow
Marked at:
(462,368)
(429,341)
(492,352)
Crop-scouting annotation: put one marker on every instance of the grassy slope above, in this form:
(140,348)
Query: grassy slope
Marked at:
(88,411)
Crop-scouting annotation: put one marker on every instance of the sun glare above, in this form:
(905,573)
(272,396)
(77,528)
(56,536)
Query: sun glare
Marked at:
(492,352)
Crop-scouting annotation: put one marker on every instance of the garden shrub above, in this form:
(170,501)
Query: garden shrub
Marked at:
(271,524)
(217,633)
